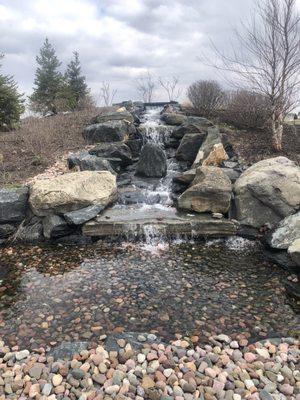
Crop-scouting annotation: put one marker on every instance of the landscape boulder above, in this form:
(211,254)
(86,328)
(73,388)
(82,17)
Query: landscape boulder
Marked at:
(173,118)
(210,191)
(191,125)
(113,150)
(88,162)
(122,115)
(13,204)
(78,217)
(110,131)
(152,162)
(55,226)
(211,152)
(267,192)
(286,232)
(294,251)
(189,146)
(72,191)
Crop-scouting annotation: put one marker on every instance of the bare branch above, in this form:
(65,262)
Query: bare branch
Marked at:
(107,94)
(145,87)
(171,87)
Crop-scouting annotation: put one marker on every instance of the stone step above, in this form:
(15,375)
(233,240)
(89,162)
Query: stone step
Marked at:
(136,221)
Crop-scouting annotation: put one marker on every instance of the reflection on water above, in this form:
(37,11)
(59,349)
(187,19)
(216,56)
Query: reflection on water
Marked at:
(51,294)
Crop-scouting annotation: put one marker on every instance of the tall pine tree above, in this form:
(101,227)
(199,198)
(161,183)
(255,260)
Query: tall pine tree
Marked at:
(76,81)
(48,80)
(11,102)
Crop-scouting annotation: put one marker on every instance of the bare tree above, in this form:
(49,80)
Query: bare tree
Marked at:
(171,87)
(206,97)
(107,94)
(146,86)
(267,59)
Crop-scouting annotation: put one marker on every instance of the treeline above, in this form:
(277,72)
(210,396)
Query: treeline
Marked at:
(53,91)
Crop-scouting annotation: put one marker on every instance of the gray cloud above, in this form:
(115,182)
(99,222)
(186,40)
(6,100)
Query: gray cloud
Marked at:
(118,40)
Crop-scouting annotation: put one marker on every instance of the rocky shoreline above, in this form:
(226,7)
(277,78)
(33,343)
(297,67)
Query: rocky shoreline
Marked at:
(145,368)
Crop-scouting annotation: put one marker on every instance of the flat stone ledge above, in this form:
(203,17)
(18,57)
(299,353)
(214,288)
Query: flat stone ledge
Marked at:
(155,221)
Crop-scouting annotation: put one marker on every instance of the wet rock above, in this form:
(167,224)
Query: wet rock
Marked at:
(13,204)
(189,146)
(209,192)
(67,349)
(232,174)
(186,177)
(78,217)
(286,232)
(267,192)
(110,131)
(72,191)
(152,162)
(87,162)
(135,146)
(118,151)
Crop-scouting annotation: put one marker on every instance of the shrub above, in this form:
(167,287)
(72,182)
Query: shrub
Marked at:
(246,110)
(206,97)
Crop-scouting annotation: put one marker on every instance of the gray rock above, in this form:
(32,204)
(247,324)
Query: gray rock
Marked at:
(30,230)
(264,395)
(78,373)
(186,177)
(152,162)
(211,151)
(267,192)
(113,116)
(66,350)
(189,146)
(294,251)
(110,131)
(210,192)
(173,118)
(6,230)
(287,231)
(135,146)
(87,162)
(13,204)
(232,174)
(47,389)
(192,125)
(78,217)
(113,150)
(55,226)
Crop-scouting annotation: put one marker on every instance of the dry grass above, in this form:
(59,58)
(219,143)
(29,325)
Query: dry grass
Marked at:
(39,142)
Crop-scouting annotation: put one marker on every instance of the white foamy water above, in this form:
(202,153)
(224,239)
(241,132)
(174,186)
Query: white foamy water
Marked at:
(235,243)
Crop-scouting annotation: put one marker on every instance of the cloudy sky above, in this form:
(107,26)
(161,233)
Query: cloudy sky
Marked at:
(118,40)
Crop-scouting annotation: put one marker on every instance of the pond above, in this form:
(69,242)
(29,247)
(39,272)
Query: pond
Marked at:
(50,294)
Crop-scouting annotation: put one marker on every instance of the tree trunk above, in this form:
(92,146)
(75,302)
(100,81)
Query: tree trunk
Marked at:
(277,130)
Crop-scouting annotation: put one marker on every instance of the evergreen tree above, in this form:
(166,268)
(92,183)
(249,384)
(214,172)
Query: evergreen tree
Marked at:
(48,80)
(11,102)
(76,82)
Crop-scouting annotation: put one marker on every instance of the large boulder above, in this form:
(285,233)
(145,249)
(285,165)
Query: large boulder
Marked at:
(211,152)
(110,131)
(72,191)
(113,116)
(189,146)
(55,226)
(294,251)
(191,125)
(85,161)
(267,192)
(113,150)
(173,118)
(287,231)
(13,204)
(210,191)
(152,162)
